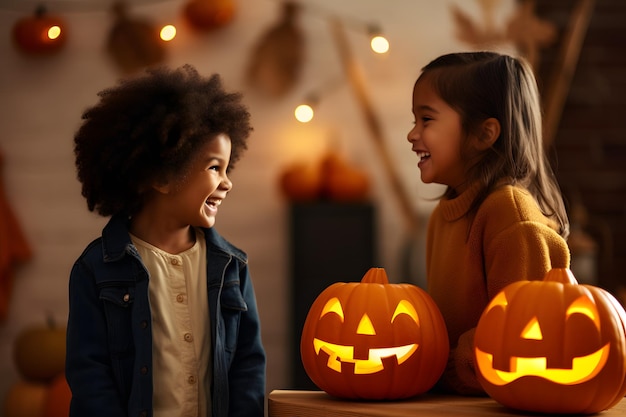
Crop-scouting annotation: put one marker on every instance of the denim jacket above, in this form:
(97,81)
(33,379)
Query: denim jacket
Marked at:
(109,335)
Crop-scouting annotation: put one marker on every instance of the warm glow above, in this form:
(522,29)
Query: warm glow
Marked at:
(405,307)
(365,326)
(168,32)
(333,306)
(584,368)
(379,44)
(304,113)
(54,32)
(532,330)
(584,305)
(499,300)
(338,354)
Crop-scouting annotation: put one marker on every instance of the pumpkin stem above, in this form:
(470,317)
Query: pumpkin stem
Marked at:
(40,11)
(375,276)
(562,275)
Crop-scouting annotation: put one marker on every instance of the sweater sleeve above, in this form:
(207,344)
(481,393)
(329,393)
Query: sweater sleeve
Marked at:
(459,377)
(524,251)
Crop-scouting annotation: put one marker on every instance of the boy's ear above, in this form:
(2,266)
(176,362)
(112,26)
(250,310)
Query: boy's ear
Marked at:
(162,187)
(489,133)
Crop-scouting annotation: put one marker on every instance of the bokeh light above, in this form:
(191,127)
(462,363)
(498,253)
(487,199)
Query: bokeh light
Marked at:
(304,113)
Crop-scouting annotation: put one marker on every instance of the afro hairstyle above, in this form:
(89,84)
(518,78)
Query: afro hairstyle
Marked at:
(147,129)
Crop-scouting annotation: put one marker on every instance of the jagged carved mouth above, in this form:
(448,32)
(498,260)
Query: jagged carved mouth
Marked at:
(338,354)
(583,368)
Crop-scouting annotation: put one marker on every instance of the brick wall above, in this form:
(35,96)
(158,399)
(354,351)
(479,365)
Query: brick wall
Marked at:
(590,143)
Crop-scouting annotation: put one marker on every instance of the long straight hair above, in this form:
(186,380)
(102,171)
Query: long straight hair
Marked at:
(482,85)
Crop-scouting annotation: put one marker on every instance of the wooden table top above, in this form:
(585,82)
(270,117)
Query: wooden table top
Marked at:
(291,403)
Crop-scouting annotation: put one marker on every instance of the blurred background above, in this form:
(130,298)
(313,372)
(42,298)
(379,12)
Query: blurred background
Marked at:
(342,185)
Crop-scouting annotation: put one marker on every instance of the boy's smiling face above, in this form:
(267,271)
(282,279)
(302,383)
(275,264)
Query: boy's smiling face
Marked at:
(196,199)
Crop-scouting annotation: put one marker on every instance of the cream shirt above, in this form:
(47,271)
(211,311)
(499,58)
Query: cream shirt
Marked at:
(180,329)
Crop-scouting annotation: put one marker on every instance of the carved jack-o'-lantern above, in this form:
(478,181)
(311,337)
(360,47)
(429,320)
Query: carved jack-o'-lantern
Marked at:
(374,340)
(553,346)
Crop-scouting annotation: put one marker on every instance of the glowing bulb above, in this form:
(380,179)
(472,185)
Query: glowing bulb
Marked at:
(379,44)
(54,32)
(304,113)
(168,32)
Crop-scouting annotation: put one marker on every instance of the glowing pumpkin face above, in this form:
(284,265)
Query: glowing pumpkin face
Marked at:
(374,340)
(551,346)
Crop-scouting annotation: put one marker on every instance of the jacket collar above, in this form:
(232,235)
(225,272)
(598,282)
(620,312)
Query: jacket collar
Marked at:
(116,241)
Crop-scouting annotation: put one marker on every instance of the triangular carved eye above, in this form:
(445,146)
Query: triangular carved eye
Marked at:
(333,306)
(405,307)
(532,330)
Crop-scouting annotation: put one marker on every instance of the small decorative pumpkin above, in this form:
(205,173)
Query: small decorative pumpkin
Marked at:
(209,14)
(301,182)
(342,181)
(374,340)
(25,399)
(40,33)
(58,397)
(553,346)
(331,178)
(39,352)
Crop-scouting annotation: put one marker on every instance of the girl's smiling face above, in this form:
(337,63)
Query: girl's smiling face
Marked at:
(437,138)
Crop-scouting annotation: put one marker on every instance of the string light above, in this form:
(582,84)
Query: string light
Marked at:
(378,43)
(54,32)
(40,33)
(304,113)
(168,32)
(36,34)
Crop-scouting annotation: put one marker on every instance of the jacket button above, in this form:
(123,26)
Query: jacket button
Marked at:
(126,297)
(143,413)
(188,337)
(143,324)
(143,370)
(191,380)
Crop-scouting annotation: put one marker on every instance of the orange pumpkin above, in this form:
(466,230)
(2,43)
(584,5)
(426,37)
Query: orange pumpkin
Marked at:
(57,400)
(301,182)
(374,340)
(25,399)
(209,14)
(39,352)
(553,346)
(342,181)
(40,33)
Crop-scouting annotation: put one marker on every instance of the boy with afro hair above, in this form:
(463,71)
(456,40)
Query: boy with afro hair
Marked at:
(163,318)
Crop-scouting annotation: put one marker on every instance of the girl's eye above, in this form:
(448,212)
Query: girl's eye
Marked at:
(214,168)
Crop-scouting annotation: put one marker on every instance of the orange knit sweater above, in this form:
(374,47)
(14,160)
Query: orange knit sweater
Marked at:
(468,261)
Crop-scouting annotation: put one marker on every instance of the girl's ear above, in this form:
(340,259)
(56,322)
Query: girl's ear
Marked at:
(489,133)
